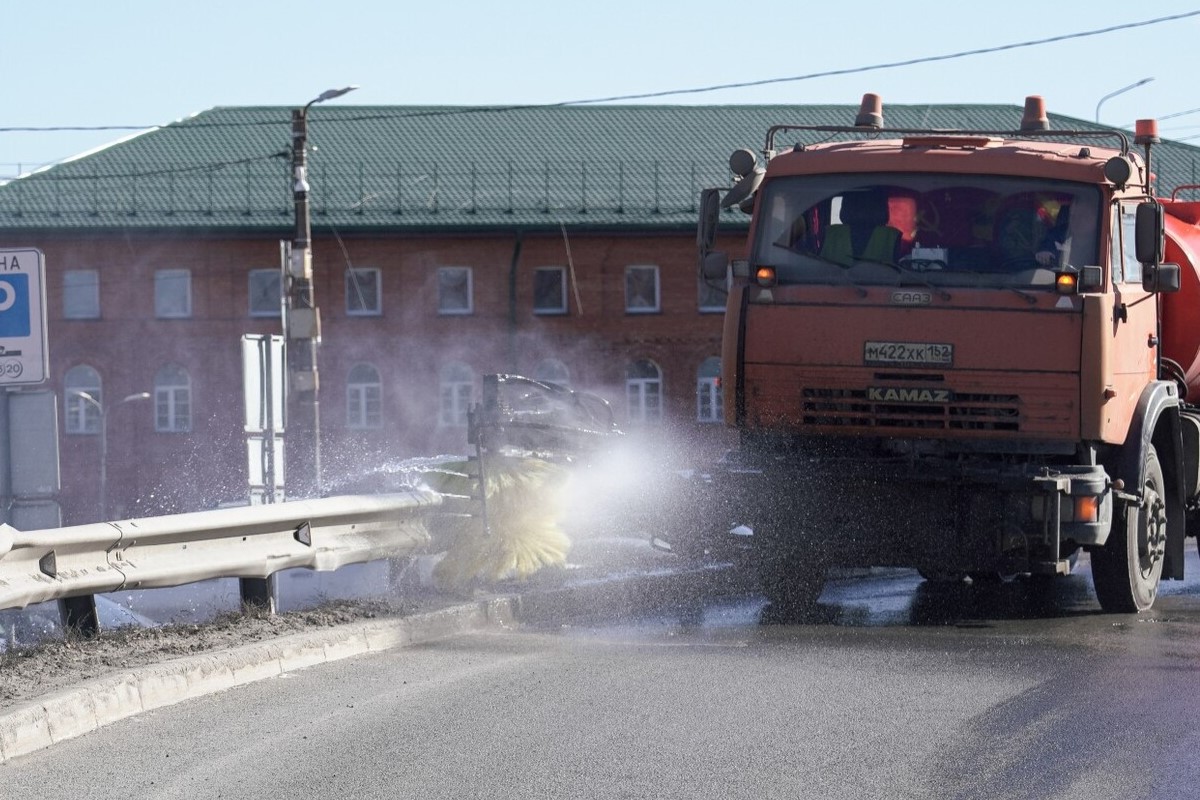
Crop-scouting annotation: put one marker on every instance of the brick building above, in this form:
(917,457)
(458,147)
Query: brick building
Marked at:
(447,243)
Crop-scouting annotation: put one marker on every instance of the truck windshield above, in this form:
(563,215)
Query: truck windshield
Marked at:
(949,230)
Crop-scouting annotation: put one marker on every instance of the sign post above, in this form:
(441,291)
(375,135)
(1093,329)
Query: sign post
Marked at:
(24,358)
(263,359)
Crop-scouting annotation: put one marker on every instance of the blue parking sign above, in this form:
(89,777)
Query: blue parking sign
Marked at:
(14,305)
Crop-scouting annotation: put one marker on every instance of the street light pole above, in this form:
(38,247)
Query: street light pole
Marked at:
(1122,90)
(87,398)
(302,322)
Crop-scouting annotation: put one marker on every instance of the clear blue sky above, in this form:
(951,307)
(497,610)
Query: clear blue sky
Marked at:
(147,62)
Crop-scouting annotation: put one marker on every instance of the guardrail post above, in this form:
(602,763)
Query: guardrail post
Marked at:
(259,594)
(78,615)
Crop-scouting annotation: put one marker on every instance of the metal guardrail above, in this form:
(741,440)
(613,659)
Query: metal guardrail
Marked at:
(251,542)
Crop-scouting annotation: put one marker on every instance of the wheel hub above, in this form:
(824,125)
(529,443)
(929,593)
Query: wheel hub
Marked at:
(1152,531)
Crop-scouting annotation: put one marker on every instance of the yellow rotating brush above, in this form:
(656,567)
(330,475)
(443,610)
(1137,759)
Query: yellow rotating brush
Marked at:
(519,531)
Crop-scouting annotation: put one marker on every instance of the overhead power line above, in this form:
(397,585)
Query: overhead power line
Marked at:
(892,64)
(644,95)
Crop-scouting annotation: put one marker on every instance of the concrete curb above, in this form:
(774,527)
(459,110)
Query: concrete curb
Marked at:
(82,709)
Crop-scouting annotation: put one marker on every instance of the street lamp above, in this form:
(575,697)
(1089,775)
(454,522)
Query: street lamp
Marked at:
(1122,90)
(87,398)
(302,320)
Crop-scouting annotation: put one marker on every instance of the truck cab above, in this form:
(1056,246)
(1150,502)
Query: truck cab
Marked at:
(944,351)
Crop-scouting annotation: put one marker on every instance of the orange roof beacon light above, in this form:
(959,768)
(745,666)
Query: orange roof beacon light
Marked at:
(765,276)
(1034,118)
(870,112)
(1146,132)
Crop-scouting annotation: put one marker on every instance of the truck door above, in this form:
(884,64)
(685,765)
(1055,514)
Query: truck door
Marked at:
(1135,314)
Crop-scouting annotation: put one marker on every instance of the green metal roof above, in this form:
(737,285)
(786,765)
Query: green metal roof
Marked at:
(445,168)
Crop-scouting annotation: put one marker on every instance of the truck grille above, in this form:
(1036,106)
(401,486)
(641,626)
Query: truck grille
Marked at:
(853,408)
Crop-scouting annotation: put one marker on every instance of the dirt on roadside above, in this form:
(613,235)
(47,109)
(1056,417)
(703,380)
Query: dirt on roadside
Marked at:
(29,672)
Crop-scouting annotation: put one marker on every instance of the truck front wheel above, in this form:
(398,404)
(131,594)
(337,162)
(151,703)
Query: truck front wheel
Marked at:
(792,584)
(791,571)
(1127,569)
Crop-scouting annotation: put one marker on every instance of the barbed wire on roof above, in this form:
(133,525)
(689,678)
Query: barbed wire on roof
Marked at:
(261,186)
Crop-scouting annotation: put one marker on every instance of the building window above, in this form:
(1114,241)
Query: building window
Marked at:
(363,297)
(641,289)
(454,290)
(172,293)
(550,290)
(551,370)
(81,294)
(709,407)
(266,293)
(364,397)
(711,296)
(172,400)
(643,390)
(457,386)
(82,400)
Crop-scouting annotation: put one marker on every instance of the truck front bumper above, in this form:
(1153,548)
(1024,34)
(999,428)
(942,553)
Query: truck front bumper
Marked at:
(938,513)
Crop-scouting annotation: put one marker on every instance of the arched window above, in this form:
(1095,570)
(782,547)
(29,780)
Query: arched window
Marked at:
(709,407)
(457,385)
(551,370)
(82,399)
(364,397)
(172,400)
(643,390)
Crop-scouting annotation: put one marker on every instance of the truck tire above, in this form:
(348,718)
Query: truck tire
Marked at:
(791,579)
(790,588)
(1127,569)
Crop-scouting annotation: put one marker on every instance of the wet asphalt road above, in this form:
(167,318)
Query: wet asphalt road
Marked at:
(895,689)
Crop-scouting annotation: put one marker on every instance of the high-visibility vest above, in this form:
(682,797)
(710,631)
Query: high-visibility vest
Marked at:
(838,246)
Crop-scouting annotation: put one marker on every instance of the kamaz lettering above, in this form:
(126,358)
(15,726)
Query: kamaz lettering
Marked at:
(911,298)
(890,394)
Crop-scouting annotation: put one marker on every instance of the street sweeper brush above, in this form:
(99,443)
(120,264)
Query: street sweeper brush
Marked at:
(544,419)
(526,434)
(521,534)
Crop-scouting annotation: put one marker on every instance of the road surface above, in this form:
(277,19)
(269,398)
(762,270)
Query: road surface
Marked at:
(895,689)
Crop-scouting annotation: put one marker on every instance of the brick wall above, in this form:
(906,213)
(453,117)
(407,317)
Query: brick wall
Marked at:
(408,343)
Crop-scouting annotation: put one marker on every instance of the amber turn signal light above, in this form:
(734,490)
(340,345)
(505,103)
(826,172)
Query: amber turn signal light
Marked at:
(765,276)
(1087,509)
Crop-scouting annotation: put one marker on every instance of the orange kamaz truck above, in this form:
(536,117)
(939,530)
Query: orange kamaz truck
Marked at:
(974,353)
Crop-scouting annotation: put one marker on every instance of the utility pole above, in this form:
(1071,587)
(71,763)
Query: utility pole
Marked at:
(302,324)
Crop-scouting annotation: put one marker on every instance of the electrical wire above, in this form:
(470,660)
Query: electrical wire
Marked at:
(571,268)
(186,126)
(643,95)
(892,64)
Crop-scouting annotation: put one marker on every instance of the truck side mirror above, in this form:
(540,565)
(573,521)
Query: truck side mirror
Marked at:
(1160,278)
(744,164)
(713,266)
(706,230)
(1148,233)
(706,224)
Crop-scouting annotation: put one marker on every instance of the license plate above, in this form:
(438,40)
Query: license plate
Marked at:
(908,353)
